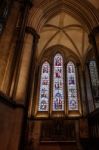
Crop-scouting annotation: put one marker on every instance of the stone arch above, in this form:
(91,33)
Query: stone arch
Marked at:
(51,51)
(82,11)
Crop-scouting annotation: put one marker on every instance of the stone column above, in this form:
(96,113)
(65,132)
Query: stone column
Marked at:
(78,74)
(85,93)
(94,40)
(27,66)
(28,79)
(16,61)
(7,44)
(20,93)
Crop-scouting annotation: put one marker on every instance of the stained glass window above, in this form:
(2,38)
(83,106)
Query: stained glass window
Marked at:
(94,78)
(1,27)
(58,94)
(72,87)
(3,15)
(44,87)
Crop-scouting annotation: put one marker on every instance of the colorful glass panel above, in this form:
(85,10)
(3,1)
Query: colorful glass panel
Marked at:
(94,78)
(44,87)
(58,94)
(72,87)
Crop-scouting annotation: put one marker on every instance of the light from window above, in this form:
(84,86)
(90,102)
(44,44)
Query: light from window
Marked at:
(1,27)
(44,87)
(5,13)
(94,78)
(72,87)
(58,94)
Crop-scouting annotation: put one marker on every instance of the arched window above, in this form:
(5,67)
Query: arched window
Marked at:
(44,87)
(72,87)
(52,93)
(58,92)
(94,79)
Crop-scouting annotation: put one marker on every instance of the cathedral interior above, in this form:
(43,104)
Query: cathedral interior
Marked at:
(49,74)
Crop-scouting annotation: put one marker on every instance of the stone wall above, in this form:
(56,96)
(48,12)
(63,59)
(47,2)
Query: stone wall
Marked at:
(10,126)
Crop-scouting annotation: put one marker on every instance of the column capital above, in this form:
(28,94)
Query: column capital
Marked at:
(32,31)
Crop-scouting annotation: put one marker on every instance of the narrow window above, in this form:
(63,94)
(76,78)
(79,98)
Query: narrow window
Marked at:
(58,88)
(94,80)
(44,87)
(72,87)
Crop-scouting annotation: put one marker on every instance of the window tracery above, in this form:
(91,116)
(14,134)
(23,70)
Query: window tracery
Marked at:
(52,94)
(72,87)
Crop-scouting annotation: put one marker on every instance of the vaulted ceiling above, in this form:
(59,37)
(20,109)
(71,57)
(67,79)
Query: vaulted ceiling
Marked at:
(65,22)
(65,30)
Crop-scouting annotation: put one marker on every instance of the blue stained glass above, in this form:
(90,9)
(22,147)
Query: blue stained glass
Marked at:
(94,78)
(58,94)
(44,87)
(72,87)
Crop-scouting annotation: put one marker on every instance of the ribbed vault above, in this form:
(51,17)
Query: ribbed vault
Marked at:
(43,10)
(63,22)
(64,30)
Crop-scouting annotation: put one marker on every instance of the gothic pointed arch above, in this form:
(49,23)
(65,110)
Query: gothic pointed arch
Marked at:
(58,84)
(81,10)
